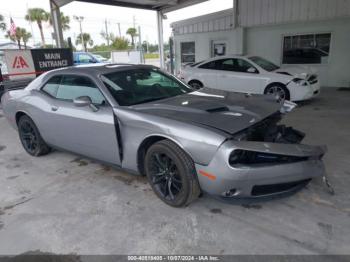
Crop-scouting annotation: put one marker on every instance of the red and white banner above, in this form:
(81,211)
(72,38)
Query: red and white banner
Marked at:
(19,64)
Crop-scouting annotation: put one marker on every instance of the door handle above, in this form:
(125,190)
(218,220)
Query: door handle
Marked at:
(54,108)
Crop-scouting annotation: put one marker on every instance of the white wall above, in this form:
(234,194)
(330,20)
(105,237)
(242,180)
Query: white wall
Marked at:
(266,41)
(203,43)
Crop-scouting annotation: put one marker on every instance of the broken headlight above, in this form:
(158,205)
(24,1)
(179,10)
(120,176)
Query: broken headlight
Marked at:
(300,81)
(246,157)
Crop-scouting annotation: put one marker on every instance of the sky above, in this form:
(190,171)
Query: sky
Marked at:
(95,16)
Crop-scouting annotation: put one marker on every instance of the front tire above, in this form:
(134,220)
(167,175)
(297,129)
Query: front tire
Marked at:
(279,90)
(171,174)
(30,137)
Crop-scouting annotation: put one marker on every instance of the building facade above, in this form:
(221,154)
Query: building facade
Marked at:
(313,33)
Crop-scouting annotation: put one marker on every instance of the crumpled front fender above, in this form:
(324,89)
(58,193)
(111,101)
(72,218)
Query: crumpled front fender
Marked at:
(219,176)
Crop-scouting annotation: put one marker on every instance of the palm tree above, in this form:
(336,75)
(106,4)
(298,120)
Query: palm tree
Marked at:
(133,33)
(2,23)
(65,20)
(21,35)
(25,36)
(84,39)
(16,37)
(39,16)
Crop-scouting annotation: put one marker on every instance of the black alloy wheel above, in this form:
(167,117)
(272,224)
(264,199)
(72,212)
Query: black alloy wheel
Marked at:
(171,174)
(30,137)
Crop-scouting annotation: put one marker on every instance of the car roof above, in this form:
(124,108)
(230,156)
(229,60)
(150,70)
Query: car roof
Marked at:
(99,68)
(222,57)
(230,56)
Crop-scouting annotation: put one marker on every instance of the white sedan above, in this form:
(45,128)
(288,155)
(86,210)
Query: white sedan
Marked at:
(253,74)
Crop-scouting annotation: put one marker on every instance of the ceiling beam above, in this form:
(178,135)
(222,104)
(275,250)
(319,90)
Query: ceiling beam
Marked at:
(119,3)
(165,6)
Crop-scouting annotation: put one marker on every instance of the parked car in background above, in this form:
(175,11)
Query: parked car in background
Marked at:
(253,74)
(100,58)
(185,141)
(80,58)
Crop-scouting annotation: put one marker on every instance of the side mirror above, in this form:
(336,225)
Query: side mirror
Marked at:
(83,101)
(252,70)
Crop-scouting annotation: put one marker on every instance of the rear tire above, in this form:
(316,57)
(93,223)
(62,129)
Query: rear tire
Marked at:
(30,137)
(195,84)
(278,89)
(171,174)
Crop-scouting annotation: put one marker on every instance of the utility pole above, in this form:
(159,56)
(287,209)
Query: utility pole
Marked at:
(134,21)
(107,35)
(147,47)
(120,32)
(80,19)
(140,47)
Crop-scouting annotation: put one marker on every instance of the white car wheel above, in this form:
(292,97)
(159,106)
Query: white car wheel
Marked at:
(278,90)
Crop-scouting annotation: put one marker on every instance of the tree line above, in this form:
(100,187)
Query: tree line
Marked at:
(40,16)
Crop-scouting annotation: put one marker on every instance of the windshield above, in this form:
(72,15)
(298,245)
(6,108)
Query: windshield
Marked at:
(264,64)
(139,86)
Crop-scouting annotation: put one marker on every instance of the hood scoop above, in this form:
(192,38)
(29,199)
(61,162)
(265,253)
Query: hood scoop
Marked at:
(218,109)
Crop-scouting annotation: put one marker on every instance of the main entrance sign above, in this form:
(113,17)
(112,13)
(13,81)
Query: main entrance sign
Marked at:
(31,63)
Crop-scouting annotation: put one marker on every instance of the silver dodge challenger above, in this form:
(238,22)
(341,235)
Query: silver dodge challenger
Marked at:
(185,141)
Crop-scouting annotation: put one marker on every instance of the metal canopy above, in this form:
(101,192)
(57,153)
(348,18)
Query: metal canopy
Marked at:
(161,6)
(155,5)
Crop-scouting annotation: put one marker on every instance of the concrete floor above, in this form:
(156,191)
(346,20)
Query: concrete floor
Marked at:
(64,204)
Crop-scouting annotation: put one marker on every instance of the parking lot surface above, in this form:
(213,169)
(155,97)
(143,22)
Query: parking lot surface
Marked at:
(65,204)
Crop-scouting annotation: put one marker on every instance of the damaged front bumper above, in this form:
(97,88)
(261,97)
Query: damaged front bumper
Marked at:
(273,169)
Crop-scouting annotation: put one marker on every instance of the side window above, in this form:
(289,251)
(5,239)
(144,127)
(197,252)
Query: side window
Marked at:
(222,64)
(72,87)
(210,65)
(226,65)
(243,66)
(51,86)
(85,58)
(188,52)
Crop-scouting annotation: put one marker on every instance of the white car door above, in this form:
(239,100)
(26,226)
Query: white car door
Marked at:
(207,74)
(239,75)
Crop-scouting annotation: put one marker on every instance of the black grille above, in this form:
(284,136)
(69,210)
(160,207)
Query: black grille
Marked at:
(262,190)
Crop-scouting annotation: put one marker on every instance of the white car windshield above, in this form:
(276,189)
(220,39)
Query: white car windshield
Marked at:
(264,64)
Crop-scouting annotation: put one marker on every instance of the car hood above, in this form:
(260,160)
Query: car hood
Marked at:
(227,111)
(298,71)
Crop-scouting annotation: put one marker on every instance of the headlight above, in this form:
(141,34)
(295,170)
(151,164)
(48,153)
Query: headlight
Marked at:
(300,81)
(247,157)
